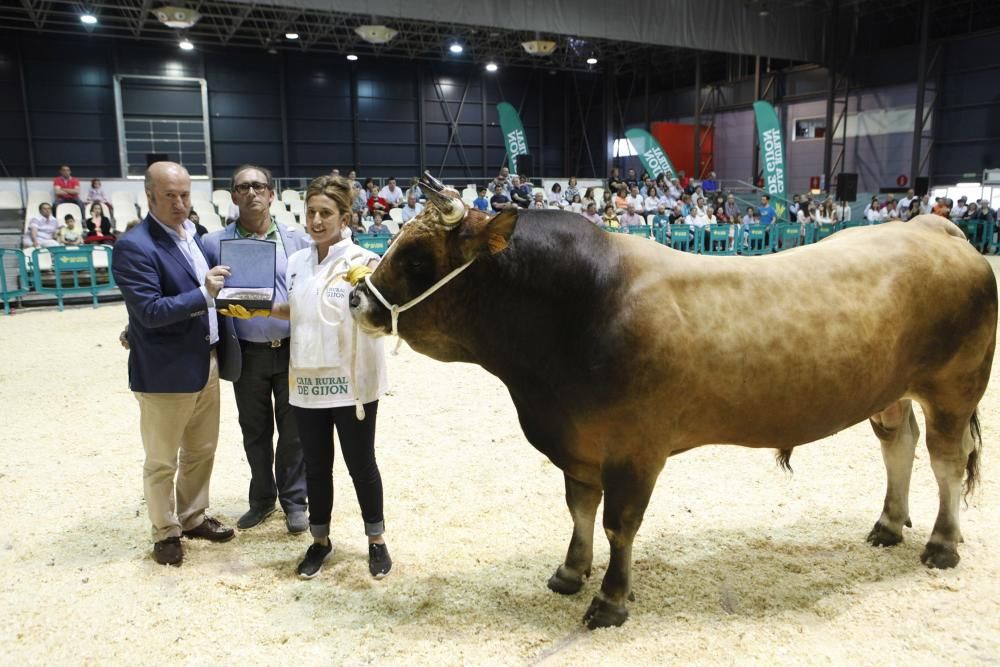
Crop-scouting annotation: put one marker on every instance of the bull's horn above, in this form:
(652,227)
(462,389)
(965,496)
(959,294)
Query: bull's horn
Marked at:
(445,199)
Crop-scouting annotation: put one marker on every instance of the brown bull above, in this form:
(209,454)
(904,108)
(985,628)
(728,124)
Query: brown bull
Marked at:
(699,350)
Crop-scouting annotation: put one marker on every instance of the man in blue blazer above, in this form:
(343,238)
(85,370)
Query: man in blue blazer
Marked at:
(277,473)
(178,350)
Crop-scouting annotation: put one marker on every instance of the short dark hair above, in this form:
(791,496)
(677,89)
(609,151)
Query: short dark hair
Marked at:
(482,188)
(44,203)
(246,167)
(69,216)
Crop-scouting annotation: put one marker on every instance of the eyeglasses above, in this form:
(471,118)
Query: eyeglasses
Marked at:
(244,188)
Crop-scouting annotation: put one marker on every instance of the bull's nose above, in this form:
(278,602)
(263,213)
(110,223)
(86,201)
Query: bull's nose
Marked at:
(355,299)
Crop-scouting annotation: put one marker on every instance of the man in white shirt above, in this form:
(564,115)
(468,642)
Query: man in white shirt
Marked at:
(635,200)
(905,202)
(392,194)
(412,208)
(960,208)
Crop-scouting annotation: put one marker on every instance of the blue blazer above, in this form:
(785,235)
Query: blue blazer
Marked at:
(168,320)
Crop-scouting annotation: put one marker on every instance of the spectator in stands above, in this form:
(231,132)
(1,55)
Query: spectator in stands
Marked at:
(875,213)
(572,190)
(414,189)
(610,218)
(615,180)
(635,199)
(501,184)
(686,204)
(942,207)
(793,208)
(732,208)
(825,213)
(891,211)
(631,217)
(842,212)
(631,180)
(652,199)
(538,201)
(96,195)
(677,214)
(868,208)
(576,205)
(391,194)
(592,214)
(675,189)
(412,208)
(43,229)
(683,181)
(913,211)
(500,201)
(352,176)
(720,215)
(925,204)
(520,193)
(958,211)
(710,184)
(199,228)
(377,228)
(67,187)
(357,227)
(621,200)
(480,202)
(661,219)
(69,234)
(606,199)
(767,212)
(697,217)
(588,197)
(375,201)
(555,197)
(748,218)
(806,214)
(907,201)
(973,212)
(99,227)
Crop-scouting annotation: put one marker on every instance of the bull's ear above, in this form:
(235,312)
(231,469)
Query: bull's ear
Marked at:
(490,234)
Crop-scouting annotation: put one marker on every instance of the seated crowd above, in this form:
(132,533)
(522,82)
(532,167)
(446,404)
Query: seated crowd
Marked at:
(45,230)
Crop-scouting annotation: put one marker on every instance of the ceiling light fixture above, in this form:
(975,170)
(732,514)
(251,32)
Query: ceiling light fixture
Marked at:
(375,34)
(456,48)
(179,18)
(491,67)
(186,45)
(291,35)
(591,60)
(539,47)
(351,57)
(88,19)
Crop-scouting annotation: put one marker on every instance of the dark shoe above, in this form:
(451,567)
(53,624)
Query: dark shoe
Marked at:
(210,529)
(316,555)
(297,522)
(254,516)
(379,562)
(168,551)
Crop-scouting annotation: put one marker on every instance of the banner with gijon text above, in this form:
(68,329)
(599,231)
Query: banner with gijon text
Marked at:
(513,134)
(772,155)
(651,154)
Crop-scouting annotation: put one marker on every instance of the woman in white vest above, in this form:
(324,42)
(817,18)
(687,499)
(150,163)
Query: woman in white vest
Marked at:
(336,372)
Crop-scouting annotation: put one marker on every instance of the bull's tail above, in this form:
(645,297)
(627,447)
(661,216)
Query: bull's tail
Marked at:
(972,465)
(783,458)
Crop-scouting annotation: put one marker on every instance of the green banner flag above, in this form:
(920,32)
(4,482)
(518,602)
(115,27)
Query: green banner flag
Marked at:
(651,154)
(513,134)
(772,155)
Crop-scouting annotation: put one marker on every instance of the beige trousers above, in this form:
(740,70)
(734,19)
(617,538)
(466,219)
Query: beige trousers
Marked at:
(179,433)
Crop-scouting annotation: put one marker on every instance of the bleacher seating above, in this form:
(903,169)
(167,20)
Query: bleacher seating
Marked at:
(210,221)
(124,208)
(277,206)
(68,208)
(290,196)
(285,218)
(396,216)
(10,200)
(221,199)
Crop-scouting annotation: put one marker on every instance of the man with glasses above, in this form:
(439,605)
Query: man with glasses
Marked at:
(277,474)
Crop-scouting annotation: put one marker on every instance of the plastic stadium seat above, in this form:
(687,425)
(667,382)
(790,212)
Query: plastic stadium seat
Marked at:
(210,221)
(391,225)
(68,208)
(10,200)
(289,196)
(124,205)
(469,195)
(285,218)
(222,199)
(598,195)
(396,215)
(297,207)
(277,207)
(202,203)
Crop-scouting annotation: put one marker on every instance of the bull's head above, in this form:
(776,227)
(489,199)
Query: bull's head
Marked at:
(445,236)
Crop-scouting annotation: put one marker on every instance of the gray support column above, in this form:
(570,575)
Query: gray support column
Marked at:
(609,123)
(918,111)
(831,92)
(482,108)
(355,121)
(697,116)
(420,118)
(283,92)
(540,154)
(756,96)
(24,106)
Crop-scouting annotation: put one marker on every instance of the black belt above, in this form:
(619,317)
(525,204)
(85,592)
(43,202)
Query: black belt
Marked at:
(271,344)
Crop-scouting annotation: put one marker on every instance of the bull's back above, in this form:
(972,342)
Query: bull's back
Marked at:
(787,348)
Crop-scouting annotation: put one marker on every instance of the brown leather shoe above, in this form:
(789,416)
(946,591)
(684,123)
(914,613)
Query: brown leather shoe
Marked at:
(168,551)
(210,529)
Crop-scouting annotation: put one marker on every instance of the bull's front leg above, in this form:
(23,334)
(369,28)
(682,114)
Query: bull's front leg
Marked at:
(582,501)
(627,488)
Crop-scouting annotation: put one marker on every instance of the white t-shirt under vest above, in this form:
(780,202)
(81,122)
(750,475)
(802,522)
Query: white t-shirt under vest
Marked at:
(324,336)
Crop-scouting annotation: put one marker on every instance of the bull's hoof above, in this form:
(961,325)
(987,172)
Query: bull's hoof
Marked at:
(940,556)
(565,582)
(603,614)
(881,536)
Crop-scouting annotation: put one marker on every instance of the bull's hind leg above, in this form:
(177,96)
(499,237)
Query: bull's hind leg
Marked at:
(627,489)
(897,430)
(582,501)
(949,442)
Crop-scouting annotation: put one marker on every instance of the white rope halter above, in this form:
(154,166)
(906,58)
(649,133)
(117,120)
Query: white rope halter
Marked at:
(394,310)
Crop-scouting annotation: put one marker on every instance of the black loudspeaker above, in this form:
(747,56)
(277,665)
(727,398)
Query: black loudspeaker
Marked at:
(156,157)
(922,186)
(847,187)
(525,166)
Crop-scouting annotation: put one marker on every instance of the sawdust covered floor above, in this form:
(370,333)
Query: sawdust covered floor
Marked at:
(736,562)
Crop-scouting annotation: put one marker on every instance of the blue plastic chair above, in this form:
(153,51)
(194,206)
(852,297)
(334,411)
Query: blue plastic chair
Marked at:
(23,286)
